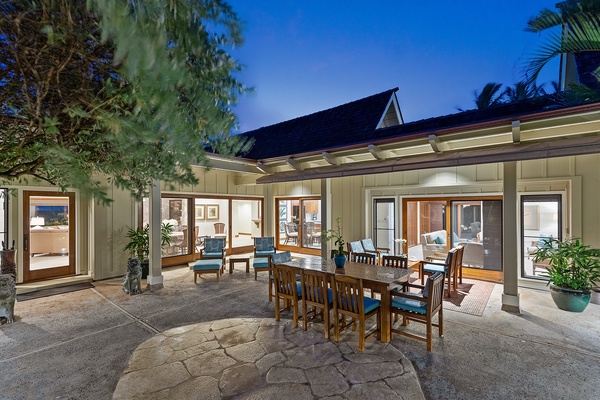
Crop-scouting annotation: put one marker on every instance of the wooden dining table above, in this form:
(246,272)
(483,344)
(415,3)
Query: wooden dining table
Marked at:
(377,278)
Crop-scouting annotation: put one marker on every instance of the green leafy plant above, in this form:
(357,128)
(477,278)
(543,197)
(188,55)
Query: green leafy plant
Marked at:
(139,240)
(573,265)
(336,234)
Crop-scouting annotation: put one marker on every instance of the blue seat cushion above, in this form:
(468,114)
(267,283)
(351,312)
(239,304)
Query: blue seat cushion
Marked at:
(416,306)
(264,253)
(207,265)
(435,268)
(371,304)
(215,255)
(260,263)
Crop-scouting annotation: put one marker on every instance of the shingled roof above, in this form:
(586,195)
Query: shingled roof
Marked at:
(323,130)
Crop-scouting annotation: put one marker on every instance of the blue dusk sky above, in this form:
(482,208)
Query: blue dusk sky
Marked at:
(305,56)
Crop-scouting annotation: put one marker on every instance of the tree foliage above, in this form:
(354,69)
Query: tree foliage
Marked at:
(579,23)
(131,90)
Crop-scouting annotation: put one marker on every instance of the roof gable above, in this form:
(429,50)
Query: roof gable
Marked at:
(346,124)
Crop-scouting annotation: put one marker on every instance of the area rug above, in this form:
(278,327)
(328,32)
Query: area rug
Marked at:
(53,291)
(470,298)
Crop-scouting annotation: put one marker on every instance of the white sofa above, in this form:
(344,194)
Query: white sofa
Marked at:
(429,245)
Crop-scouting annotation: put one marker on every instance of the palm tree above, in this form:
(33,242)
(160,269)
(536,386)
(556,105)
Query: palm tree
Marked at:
(489,96)
(580,22)
(522,91)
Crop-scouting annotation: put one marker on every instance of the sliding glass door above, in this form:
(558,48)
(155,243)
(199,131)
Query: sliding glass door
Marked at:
(299,223)
(432,226)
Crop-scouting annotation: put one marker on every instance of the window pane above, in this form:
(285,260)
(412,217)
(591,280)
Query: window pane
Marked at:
(541,219)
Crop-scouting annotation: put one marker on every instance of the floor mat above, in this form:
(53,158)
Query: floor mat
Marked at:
(53,291)
(470,298)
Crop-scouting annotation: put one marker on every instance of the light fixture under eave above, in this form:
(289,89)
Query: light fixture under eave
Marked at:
(376,152)
(329,158)
(516,131)
(293,164)
(263,168)
(435,143)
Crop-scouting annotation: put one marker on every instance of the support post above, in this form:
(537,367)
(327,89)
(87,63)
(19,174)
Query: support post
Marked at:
(325,212)
(510,295)
(155,278)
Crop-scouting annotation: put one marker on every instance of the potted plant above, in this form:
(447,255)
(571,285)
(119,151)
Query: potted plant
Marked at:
(573,271)
(340,257)
(139,243)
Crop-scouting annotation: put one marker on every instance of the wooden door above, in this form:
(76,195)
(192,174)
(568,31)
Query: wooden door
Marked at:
(48,235)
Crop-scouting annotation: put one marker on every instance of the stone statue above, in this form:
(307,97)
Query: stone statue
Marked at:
(7,261)
(8,294)
(133,278)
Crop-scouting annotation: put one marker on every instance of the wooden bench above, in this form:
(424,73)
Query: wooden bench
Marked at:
(210,266)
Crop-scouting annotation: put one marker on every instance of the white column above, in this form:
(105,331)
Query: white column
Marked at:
(155,277)
(510,295)
(325,212)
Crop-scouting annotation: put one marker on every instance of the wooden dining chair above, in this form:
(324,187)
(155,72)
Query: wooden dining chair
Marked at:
(395,261)
(367,258)
(334,252)
(448,267)
(460,250)
(420,307)
(349,301)
(287,289)
(316,293)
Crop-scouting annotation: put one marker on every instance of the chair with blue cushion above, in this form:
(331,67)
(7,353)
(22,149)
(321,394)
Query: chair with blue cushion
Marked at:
(366,258)
(214,248)
(395,262)
(355,247)
(279,258)
(349,301)
(420,307)
(264,246)
(447,267)
(287,289)
(316,293)
(369,247)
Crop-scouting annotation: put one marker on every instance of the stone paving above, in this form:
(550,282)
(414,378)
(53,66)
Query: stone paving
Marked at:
(260,358)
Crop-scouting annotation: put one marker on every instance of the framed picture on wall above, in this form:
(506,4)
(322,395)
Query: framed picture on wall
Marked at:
(175,207)
(199,211)
(212,211)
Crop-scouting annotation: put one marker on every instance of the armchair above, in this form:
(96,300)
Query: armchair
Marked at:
(448,267)
(370,248)
(264,246)
(421,307)
(434,242)
(214,248)
(355,247)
